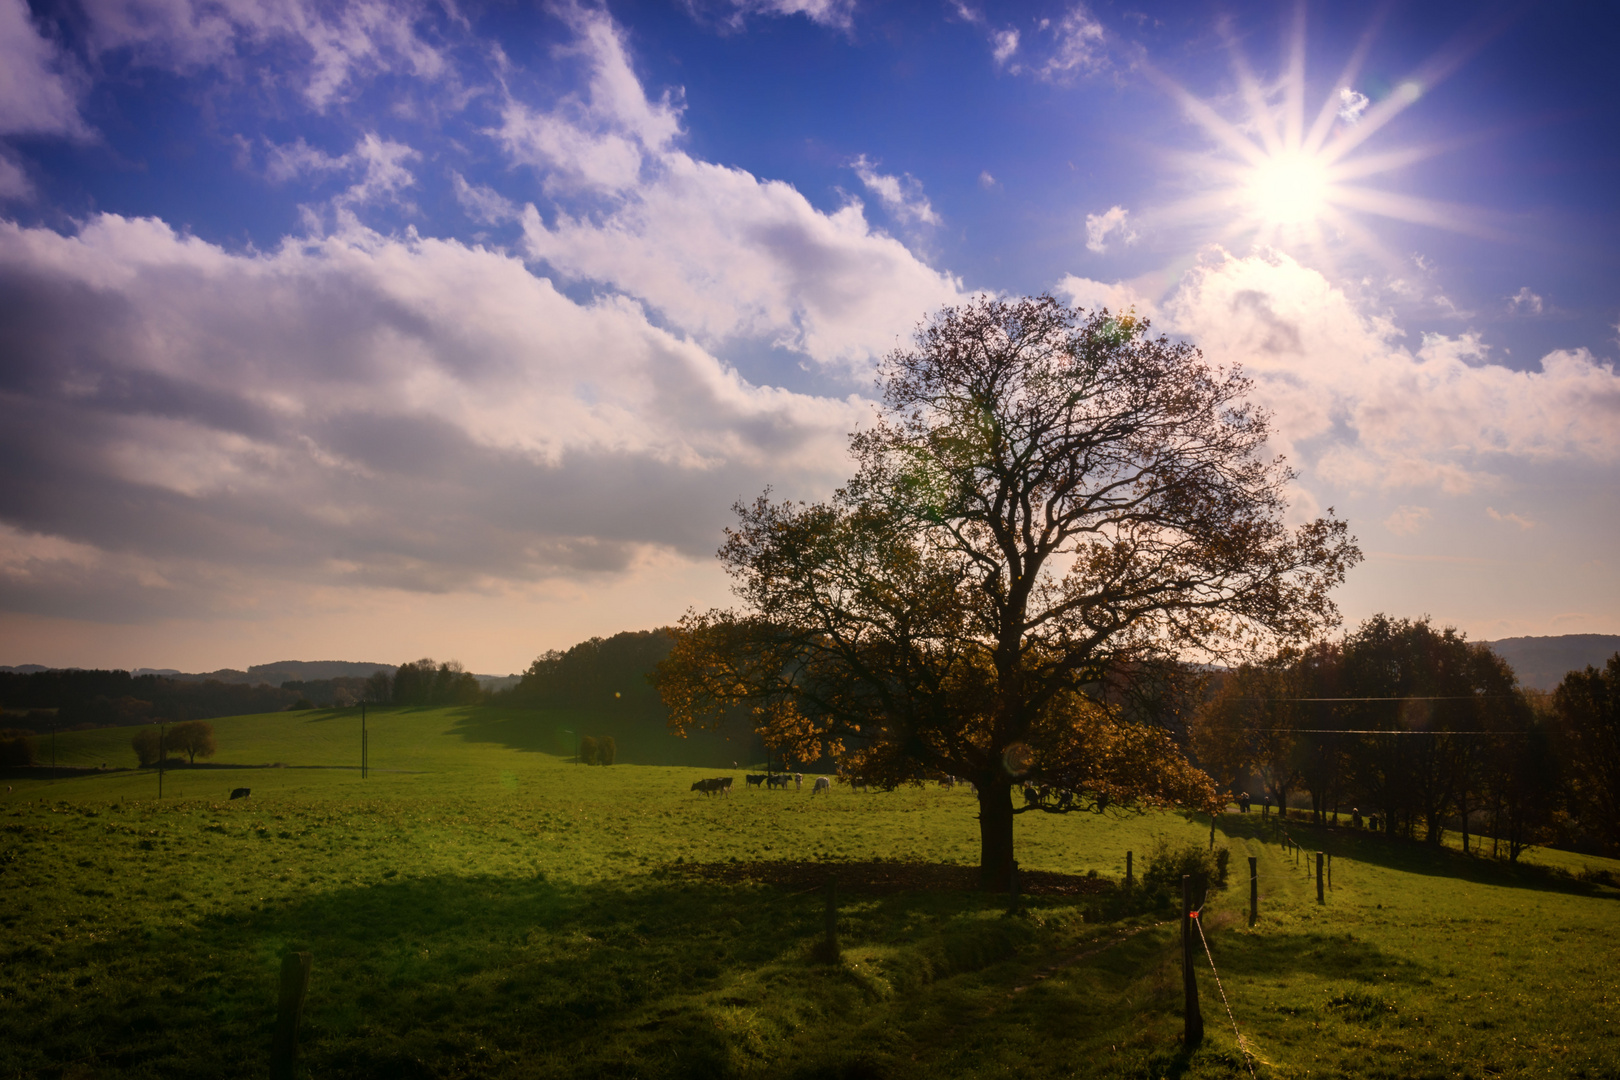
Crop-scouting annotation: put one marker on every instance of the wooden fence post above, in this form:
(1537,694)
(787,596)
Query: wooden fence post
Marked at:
(1320,899)
(830,945)
(289,1011)
(1192,1031)
(1330,869)
(1254,890)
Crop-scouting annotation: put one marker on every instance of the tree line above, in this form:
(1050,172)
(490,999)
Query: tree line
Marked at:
(1422,731)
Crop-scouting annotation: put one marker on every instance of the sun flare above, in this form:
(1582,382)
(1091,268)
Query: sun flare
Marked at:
(1278,175)
(1289,188)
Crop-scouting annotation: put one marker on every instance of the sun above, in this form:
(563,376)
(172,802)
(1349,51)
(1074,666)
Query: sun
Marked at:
(1290,188)
(1276,175)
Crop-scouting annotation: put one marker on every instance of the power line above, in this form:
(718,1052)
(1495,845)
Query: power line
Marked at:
(1384,731)
(1450,697)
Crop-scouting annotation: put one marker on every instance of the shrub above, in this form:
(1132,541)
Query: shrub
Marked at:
(606,750)
(16,748)
(588,750)
(1167,865)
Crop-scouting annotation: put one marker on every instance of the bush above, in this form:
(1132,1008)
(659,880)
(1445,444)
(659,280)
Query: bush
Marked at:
(588,750)
(16,748)
(606,750)
(1167,865)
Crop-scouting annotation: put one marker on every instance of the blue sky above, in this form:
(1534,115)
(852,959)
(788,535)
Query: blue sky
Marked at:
(378,330)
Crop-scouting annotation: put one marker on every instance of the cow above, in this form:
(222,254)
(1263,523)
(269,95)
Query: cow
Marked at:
(948,783)
(718,784)
(1031,796)
(241,792)
(778,780)
(821,784)
(798,781)
(857,784)
(754,779)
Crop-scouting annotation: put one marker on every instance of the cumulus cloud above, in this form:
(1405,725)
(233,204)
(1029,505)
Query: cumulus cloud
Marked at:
(901,195)
(331,44)
(1407,520)
(36,95)
(716,251)
(1362,411)
(185,426)
(1099,227)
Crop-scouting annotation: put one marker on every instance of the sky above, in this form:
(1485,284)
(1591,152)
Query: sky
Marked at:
(366,330)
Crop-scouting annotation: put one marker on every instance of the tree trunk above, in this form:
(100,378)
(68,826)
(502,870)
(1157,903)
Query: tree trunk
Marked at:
(995,833)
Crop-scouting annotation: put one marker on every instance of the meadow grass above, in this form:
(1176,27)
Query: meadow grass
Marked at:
(479,906)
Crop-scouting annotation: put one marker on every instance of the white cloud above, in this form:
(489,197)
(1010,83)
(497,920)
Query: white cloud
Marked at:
(187,428)
(483,203)
(901,196)
(1352,104)
(1525,302)
(333,44)
(1408,520)
(1509,519)
(838,14)
(36,96)
(292,160)
(1362,411)
(1118,296)
(716,251)
(381,163)
(988,182)
(1078,47)
(1004,45)
(1099,227)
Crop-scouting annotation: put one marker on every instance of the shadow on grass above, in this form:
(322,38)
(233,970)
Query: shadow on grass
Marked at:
(653,976)
(1409,856)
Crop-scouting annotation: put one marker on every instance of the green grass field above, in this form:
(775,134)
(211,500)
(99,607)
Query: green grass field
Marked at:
(481,907)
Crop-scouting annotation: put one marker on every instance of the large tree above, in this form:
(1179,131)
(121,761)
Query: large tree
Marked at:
(1048,500)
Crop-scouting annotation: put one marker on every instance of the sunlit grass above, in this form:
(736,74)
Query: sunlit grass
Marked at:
(491,911)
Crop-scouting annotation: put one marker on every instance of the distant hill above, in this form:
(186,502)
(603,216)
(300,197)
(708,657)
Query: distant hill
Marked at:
(1542,662)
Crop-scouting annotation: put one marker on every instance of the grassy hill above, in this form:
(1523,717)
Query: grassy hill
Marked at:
(481,907)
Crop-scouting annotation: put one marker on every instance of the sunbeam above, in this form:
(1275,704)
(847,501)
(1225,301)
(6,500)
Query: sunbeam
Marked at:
(1275,176)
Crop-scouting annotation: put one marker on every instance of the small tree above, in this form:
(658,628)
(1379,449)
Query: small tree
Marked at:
(588,750)
(606,750)
(193,738)
(147,742)
(379,688)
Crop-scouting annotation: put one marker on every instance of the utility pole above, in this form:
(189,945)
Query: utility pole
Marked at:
(365,757)
(162,730)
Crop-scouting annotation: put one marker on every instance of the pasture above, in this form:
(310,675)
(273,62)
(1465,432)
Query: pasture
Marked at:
(479,906)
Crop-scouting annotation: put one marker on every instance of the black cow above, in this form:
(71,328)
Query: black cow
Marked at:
(240,793)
